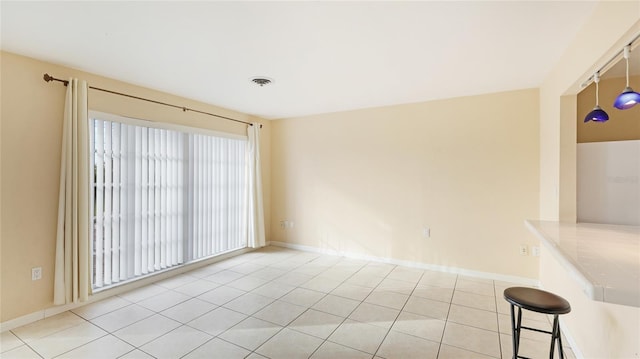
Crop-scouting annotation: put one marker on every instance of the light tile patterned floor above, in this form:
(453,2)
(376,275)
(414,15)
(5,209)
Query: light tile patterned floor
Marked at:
(281,303)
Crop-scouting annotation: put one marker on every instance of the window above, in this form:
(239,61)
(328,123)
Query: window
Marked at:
(162,196)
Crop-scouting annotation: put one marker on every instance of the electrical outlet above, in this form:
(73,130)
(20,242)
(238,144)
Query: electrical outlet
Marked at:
(535,251)
(290,224)
(524,251)
(283,224)
(36,273)
(426,232)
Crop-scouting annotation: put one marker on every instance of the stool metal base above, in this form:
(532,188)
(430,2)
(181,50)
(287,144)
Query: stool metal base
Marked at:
(516,328)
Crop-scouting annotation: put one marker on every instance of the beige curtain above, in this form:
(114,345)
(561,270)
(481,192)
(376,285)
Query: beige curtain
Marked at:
(256,209)
(72,281)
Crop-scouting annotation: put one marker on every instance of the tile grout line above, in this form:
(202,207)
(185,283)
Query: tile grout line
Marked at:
(154,311)
(446,321)
(57,331)
(399,312)
(307,309)
(471,326)
(32,349)
(17,337)
(192,297)
(347,317)
(127,353)
(89,342)
(497,319)
(248,316)
(52,333)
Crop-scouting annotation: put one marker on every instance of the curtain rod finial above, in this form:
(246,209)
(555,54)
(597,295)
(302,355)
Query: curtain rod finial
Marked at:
(49,78)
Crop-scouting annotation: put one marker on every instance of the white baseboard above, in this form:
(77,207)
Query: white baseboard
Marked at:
(53,310)
(123,288)
(412,264)
(20,321)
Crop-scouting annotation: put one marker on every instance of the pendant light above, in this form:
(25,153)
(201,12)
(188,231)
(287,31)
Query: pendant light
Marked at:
(597,114)
(628,98)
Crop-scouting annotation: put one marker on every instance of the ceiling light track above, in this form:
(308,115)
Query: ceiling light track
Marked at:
(613,60)
(49,78)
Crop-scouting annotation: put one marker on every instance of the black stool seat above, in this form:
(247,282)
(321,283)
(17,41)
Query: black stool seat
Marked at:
(537,300)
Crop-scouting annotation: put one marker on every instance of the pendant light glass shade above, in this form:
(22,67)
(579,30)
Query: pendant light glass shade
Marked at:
(628,98)
(597,114)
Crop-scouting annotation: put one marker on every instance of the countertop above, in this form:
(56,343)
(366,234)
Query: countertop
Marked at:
(603,258)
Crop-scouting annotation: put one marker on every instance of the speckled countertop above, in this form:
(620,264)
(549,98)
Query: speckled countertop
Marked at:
(604,258)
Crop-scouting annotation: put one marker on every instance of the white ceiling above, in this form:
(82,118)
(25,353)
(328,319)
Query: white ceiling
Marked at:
(323,56)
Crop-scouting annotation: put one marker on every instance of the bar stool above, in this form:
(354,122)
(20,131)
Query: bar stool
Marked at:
(538,301)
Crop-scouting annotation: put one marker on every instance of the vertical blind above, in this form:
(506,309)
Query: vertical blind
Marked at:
(162,197)
(219,195)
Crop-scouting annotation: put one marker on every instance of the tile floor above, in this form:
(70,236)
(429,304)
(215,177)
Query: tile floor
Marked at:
(282,303)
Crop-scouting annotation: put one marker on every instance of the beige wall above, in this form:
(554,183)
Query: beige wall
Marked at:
(622,125)
(30,148)
(367,181)
(611,26)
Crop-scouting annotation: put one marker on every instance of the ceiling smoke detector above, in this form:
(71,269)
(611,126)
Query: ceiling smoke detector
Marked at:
(261,81)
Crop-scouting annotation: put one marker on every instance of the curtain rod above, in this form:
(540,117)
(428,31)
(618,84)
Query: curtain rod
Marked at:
(49,78)
(609,64)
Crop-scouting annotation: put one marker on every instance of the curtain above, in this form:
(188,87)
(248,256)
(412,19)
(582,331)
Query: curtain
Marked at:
(72,265)
(256,209)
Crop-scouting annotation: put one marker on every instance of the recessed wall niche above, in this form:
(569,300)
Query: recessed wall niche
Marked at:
(608,153)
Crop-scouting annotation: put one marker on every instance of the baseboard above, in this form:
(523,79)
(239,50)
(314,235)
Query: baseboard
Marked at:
(53,310)
(123,288)
(412,264)
(20,321)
